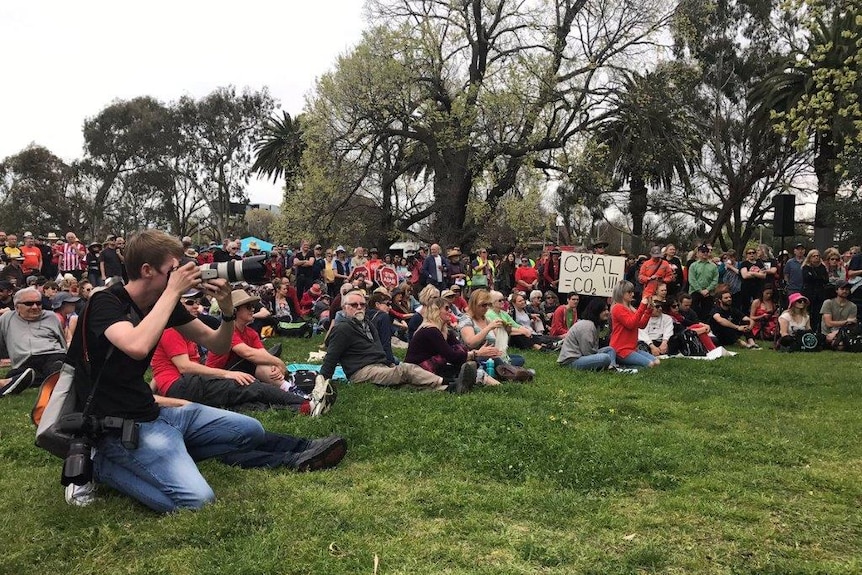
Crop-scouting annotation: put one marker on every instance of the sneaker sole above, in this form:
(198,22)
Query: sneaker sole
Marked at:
(15,387)
(329,456)
(466,378)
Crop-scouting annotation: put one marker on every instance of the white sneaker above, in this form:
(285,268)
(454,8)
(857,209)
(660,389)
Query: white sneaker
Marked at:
(81,495)
(322,397)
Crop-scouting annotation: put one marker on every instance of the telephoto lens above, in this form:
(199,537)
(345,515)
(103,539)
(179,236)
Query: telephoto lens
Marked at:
(250,270)
(77,467)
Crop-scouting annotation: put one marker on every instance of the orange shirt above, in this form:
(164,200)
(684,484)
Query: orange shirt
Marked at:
(32,259)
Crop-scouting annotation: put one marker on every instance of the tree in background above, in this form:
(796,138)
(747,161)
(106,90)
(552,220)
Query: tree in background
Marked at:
(36,193)
(472,93)
(652,135)
(813,97)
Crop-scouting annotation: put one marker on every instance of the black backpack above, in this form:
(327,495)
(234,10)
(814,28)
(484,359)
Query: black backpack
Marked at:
(685,342)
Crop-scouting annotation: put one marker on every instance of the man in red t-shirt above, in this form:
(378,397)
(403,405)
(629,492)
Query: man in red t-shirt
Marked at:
(177,372)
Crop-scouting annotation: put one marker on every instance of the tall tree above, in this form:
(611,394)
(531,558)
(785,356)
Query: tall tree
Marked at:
(36,193)
(127,137)
(813,97)
(278,153)
(652,134)
(219,132)
(481,90)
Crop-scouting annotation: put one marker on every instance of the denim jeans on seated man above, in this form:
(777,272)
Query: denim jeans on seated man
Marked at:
(161,472)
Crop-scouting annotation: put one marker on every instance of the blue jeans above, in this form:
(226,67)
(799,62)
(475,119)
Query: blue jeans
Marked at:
(161,473)
(602,359)
(637,358)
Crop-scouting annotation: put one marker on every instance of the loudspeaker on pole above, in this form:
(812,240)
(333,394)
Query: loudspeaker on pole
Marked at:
(784,223)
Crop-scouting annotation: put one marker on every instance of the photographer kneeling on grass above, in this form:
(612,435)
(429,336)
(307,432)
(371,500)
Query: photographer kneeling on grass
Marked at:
(121,329)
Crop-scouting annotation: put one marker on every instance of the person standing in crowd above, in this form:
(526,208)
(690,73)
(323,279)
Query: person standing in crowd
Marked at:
(94,264)
(303,264)
(73,256)
(793,270)
(110,265)
(676,284)
(815,285)
(482,272)
(32,264)
(49,261)
(753,275)
(435,269)
(702,279)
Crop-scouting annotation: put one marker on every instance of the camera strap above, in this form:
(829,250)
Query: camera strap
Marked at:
(86,356)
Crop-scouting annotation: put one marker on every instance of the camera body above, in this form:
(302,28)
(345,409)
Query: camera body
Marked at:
(78,465)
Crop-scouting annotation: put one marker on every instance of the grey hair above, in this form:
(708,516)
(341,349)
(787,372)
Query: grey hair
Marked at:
(16,299)
(620,290)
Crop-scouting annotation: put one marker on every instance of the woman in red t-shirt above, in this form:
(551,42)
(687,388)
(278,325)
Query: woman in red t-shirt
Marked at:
(625,322)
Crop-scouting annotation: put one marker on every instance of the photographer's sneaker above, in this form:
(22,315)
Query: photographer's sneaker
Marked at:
(20,383)
(320,454)
(466,378)
(322,396)
(81,495)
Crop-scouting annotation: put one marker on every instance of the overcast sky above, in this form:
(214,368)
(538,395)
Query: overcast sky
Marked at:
(65,61)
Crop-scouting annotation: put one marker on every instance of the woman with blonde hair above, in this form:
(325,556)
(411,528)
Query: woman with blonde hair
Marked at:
(625,322)
(427,294)
(435,347)
(475,329)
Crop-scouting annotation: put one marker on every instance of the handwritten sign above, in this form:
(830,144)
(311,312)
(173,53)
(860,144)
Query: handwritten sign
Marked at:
(590,274)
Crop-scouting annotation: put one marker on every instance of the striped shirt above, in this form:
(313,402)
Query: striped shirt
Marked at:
(71,258)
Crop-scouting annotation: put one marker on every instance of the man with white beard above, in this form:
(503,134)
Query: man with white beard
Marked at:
(355,344)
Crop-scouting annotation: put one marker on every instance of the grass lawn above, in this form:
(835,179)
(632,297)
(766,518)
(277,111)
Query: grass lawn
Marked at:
(751,464)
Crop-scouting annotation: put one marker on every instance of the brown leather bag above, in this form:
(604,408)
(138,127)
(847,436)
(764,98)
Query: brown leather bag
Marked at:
(509,372)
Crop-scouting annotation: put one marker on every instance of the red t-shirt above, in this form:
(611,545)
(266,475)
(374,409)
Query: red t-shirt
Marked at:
(171,344)
(526,274)
(247,336)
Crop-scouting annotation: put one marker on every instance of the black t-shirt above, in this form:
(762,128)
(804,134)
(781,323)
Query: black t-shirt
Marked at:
(304,271)
(753,285)
(732,314)
(113,265)
(122,391)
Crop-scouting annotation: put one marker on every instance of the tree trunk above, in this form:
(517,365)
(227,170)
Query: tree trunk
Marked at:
(638,209)
(453,182)
(827,188)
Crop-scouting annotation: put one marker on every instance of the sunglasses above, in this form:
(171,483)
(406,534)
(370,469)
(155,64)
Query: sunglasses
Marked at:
(359,305)
(834,259)
(191,301)
(31,303)
(486,304)
(749,253)
(250,306)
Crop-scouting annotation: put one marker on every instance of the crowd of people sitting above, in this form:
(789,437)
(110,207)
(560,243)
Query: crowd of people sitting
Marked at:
(462,320)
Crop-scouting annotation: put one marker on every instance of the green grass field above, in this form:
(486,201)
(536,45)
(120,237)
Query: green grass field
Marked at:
(751,464)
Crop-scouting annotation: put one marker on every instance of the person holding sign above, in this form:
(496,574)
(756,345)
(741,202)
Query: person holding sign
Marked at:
(654,270)
(625,322)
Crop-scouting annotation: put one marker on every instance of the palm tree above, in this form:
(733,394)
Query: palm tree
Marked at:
(279,152)
(652,135)
(807,98)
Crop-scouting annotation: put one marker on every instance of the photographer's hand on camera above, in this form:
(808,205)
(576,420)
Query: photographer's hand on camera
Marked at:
(220,289)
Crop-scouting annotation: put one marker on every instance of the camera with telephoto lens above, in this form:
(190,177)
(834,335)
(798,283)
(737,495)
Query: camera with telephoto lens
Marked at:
(78,465)
(250,270)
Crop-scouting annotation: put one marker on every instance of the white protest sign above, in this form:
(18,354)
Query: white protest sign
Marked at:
(590,274)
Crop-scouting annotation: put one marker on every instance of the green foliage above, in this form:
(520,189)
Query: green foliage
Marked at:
(35,193)
(743,465)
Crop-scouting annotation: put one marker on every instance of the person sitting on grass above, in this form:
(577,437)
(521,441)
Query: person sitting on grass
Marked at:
(565,316)
(685,317)
(355,344)
(521,337)
(580,349)
(435,346)
(836,313)
(246,351)
(625,322)
(178,373)
(428,293)
(32,339)
(729,325)
(654,337)
(794,319)
(379,305)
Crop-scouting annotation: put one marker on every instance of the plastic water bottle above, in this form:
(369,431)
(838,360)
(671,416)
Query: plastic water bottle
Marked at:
(489,367)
